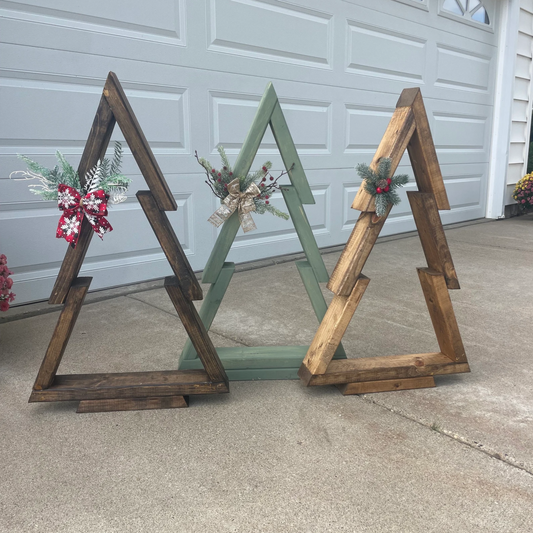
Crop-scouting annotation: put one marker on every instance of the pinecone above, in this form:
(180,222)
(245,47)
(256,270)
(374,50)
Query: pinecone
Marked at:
(382,184)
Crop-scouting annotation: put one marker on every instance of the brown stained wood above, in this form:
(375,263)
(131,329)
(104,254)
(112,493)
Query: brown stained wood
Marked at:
(423,155)
(65,325)
(442,315)
(196,331)
(129,385)
(331,331)
(387,367)
(432,236)
(171,246)
(356,252)
(101,130)
(392,146)
(386,385)
(132,404)
(138,144)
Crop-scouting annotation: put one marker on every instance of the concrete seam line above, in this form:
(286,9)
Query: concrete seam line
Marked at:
(453,436)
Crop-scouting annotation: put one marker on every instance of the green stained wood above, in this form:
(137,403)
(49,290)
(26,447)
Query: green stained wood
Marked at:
(268,112)
(220,251)
(241,168)
(304,231)
(210,305)
(247,363)
(290,156)
(317,298)
(264,362)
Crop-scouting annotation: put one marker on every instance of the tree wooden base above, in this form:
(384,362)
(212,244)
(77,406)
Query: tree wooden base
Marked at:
(255,363)
(386,385)
(133,404)
(408,129)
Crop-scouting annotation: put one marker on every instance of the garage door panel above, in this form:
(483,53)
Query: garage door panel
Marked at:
(98,27)
(461,134)
(276,233)
(195,76)
(462,69)
(381,52)
(232,115)
(239,27)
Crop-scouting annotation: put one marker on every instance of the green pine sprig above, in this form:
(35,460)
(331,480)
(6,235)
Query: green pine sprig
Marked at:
(219,179)
(381,186)
(104,175)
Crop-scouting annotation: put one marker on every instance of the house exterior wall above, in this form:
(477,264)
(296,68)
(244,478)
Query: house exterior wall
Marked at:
(522,101)
(194,72)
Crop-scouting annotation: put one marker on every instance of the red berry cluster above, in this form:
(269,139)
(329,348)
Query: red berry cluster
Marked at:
(268,188)
(380,190)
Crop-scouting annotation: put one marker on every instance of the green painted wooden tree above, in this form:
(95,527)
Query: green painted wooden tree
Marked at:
(265,362)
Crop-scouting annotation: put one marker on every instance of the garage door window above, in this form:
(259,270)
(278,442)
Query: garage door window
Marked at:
(470,9)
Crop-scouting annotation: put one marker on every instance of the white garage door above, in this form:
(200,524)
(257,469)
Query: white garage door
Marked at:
(194,72)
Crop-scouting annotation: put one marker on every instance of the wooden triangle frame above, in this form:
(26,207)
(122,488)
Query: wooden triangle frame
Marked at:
(265,362)
(408,129)
(133,390)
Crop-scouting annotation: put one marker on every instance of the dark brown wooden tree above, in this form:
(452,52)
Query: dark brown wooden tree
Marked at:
(408,129)
(132,390)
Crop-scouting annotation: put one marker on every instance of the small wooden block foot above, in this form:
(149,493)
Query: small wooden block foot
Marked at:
(386,385)
(132,404)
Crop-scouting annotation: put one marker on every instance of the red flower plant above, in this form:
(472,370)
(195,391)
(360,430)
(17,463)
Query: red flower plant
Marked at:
(6,296)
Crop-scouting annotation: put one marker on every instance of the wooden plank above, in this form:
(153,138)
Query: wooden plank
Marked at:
(210,306)
(356,252)
(422,153)
(386,385)
(331,331)
(316,297)
(442,315)
(304,231)
(241,168)
(171,246)
(257,357)
(220,250)
(392,145)
(138,144)
(65,325)
(196,331)
(290,156)
(129,385)
(95,148)
(432,236)
(387,367)
(132,404)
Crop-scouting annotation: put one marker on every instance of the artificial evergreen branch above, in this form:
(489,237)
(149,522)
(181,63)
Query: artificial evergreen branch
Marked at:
(104,175)
(381,186)
(218,181)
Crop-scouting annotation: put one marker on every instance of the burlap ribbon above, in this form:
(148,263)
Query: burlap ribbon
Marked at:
(243,201)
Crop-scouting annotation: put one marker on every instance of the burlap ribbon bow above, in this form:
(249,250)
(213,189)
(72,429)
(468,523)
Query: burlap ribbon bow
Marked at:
(243,201)
(93,205)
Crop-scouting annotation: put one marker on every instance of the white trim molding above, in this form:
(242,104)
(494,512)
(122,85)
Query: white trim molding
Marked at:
(503,103)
